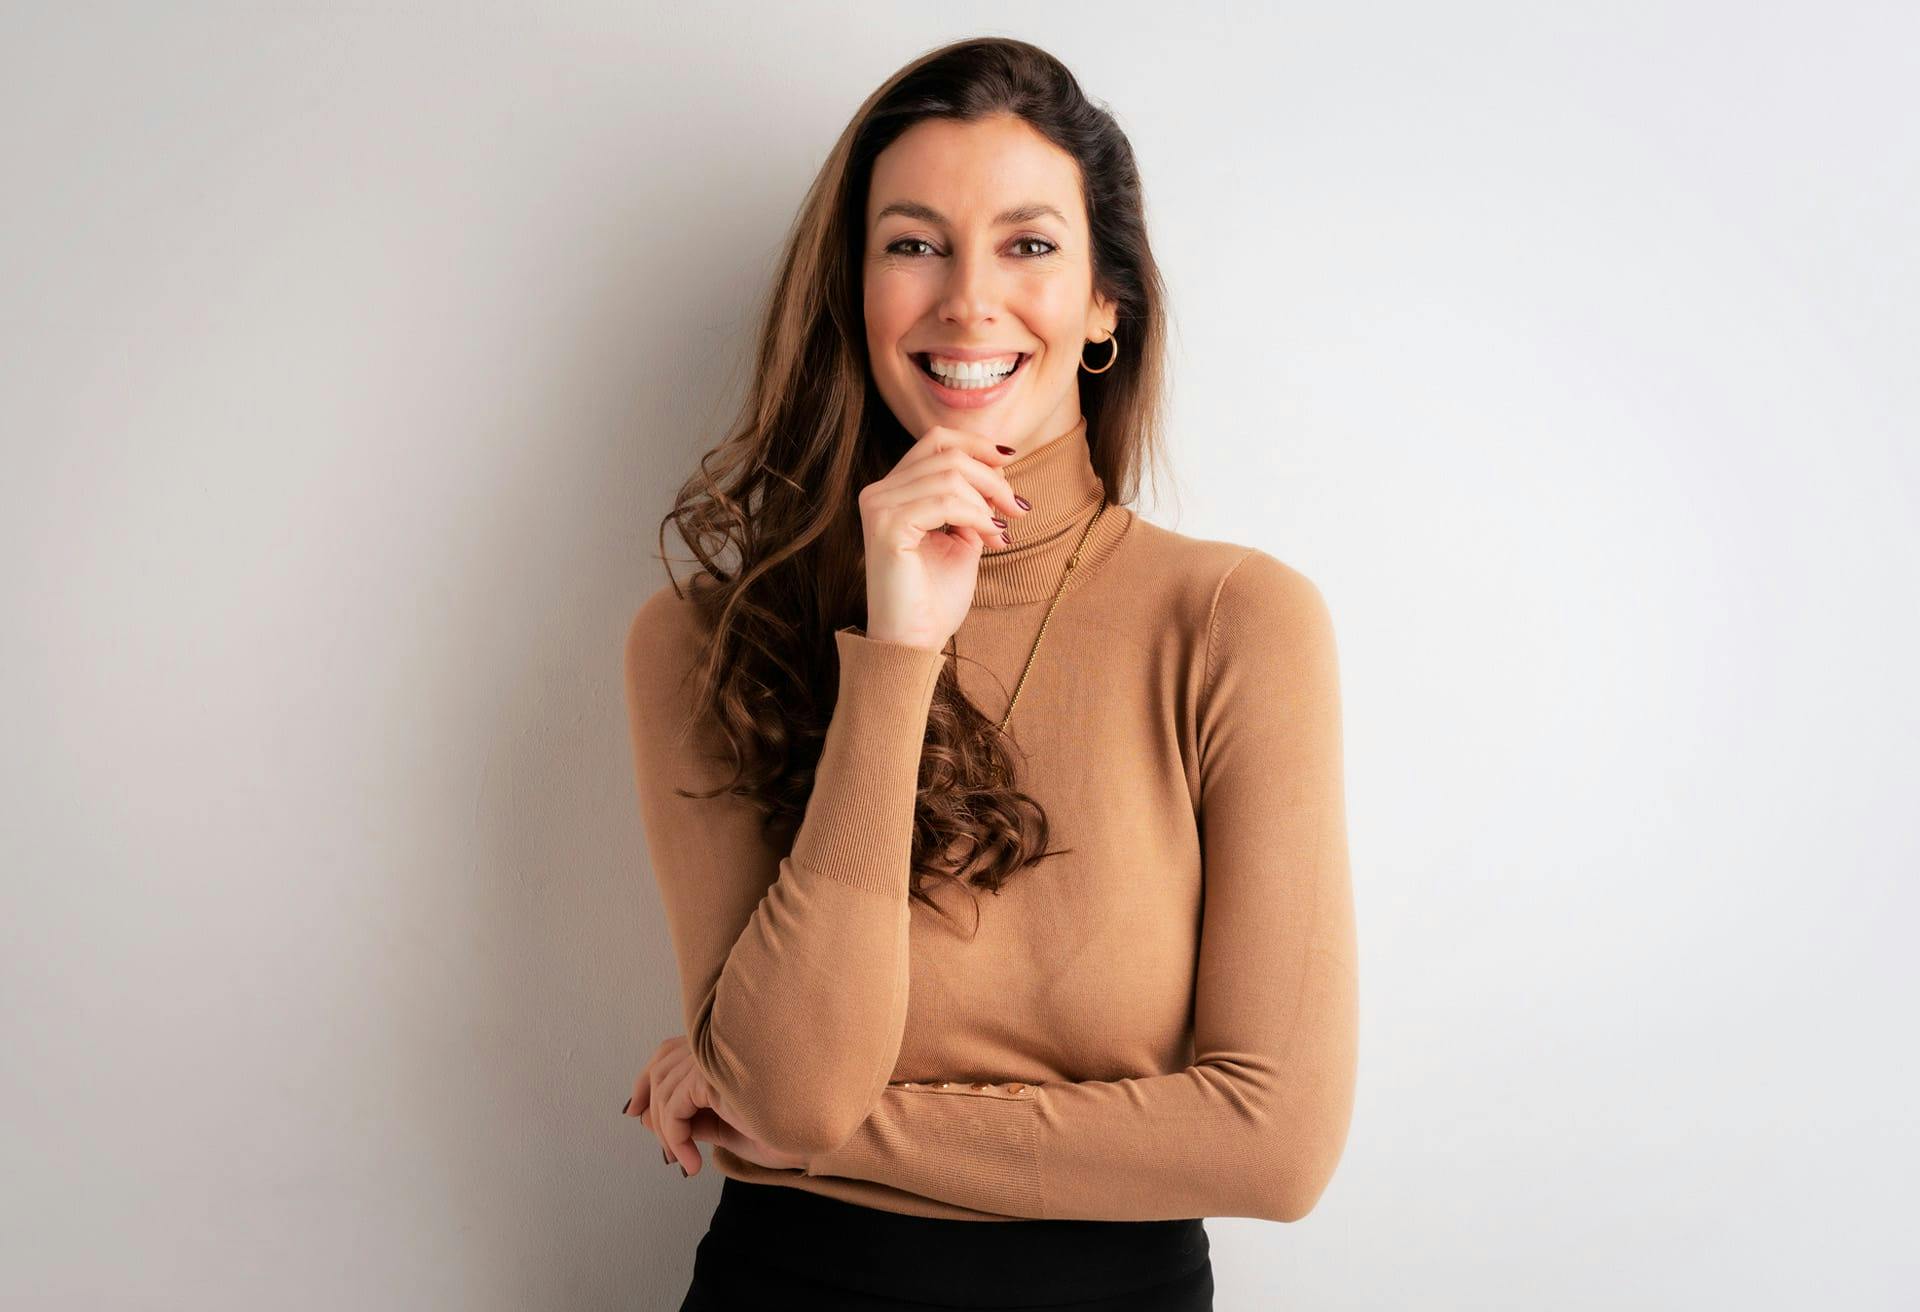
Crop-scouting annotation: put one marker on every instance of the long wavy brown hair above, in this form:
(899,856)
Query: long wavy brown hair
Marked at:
(781,490)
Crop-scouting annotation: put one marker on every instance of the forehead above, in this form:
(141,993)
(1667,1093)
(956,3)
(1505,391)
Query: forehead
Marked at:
(972,171)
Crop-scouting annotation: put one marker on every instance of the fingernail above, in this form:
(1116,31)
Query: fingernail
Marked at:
(999,522)
(1004,538)
(683,1171)
(1023,502)
(629,1107)
(666,1156)
(1003,450)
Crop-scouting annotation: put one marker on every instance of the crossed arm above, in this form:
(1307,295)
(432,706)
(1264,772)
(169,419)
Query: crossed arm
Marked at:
(815,943)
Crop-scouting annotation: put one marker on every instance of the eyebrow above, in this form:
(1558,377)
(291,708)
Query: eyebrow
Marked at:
(913,209)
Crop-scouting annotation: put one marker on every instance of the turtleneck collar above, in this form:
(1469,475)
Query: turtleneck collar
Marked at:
(1059,479)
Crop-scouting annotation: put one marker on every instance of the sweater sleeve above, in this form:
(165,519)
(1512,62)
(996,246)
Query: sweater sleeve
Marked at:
(793,966)
(1255,1126)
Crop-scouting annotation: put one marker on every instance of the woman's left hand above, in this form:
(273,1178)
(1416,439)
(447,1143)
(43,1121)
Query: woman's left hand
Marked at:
(672,1096)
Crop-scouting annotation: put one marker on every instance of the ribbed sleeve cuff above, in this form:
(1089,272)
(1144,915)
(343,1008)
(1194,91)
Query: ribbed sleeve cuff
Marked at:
(859,822)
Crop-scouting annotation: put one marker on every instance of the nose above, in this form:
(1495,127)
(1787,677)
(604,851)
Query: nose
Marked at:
(973,292)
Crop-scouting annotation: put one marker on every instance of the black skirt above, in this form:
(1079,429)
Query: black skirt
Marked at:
(775,1246)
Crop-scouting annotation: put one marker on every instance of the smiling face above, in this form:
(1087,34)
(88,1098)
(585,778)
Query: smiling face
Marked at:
(977,244)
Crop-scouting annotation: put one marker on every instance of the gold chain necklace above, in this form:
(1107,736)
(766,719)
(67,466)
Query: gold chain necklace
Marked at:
(1061,587)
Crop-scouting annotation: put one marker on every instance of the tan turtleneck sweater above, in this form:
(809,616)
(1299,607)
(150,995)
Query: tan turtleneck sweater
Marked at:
(1161,1024)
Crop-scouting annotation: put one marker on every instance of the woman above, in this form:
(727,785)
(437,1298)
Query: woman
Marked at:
(945,646)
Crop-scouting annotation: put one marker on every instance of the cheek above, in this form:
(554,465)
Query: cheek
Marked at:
(890,317)
(892,306)
(1058,315)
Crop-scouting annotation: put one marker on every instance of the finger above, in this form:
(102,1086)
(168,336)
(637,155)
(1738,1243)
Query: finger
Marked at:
(661,1089)
(643,1083)
(923,505)
(970,536)
(703,1115)
(676,1129)
(985,478)
(714,1128)
(963,512)
(671,1105)
(706,1125)
(941,438)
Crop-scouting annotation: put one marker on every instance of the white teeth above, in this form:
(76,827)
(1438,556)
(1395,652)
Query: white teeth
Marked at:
(973,373)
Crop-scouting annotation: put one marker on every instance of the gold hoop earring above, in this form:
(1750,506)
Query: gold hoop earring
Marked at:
(1113,340)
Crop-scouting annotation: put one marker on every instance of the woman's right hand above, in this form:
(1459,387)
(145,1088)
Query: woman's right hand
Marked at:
(920,580)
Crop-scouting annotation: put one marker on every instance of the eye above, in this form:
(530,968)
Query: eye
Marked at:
(895,247)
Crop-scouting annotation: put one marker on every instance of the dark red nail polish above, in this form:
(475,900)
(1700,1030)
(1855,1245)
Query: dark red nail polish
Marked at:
(1023,503)
(627,1108)
(1003,450)
(999,522)
(683,1171)
(1004,538)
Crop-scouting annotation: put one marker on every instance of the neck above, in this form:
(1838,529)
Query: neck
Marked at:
(1059,479)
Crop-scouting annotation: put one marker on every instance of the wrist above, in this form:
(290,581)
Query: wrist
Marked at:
(901,638)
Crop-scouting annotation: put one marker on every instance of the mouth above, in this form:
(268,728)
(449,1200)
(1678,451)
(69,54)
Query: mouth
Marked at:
(969,394)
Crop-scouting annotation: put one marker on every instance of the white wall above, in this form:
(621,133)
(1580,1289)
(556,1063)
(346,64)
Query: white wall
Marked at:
(351,356)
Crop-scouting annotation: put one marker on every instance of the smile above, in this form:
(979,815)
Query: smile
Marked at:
(970,385)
